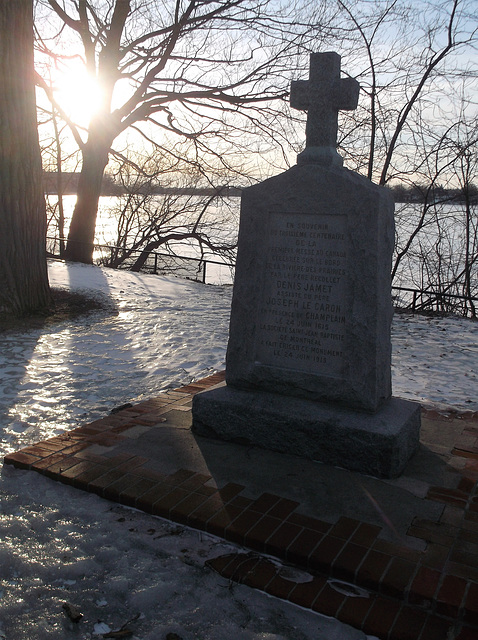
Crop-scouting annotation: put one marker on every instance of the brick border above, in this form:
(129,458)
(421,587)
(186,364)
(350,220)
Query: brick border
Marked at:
(386,590)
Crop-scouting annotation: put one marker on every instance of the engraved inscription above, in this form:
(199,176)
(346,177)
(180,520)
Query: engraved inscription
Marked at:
(301,315)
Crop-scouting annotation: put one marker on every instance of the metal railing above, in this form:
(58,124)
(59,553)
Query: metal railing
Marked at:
(157,262)
(423,300)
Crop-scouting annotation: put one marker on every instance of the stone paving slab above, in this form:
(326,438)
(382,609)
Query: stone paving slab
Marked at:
(395,558)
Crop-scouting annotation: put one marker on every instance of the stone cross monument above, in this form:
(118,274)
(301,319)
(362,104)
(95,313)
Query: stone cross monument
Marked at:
(308,366)
(322,96)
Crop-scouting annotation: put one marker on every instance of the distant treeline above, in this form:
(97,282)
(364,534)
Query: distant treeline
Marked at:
(420,193)
(67,183)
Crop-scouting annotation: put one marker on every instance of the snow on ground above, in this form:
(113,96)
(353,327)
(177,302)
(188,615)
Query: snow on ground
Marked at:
(166,332)
(435,360)
(63,545)
(59,544)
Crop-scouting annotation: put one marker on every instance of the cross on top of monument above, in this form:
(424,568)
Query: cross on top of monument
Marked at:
(322,96)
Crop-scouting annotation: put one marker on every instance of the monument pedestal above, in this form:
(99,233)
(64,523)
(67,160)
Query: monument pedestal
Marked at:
(378,444)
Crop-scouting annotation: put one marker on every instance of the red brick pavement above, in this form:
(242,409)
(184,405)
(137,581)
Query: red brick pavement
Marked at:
(389,591)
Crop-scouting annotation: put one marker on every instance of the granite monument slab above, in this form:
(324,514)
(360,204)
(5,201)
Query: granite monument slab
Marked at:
(308,366)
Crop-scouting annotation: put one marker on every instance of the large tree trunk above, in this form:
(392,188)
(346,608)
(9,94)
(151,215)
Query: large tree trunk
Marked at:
(23,268)
(83,222)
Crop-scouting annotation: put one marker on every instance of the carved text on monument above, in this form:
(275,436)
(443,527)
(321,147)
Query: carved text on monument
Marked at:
(301,316)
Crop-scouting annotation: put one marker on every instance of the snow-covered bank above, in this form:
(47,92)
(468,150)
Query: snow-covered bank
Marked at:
(165,332)
(59,544)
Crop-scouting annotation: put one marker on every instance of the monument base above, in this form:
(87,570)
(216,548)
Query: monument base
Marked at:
(378,444)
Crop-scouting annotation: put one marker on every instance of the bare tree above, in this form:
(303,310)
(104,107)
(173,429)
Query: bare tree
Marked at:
(416,64)
(53,145)
(198,70)
(410,61)
(437,251)
(154,213)
(23,269)
(467,171)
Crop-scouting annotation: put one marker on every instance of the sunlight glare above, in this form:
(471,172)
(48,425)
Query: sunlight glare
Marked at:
(78,93)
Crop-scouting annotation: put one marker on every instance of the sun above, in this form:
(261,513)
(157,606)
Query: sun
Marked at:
(77,93)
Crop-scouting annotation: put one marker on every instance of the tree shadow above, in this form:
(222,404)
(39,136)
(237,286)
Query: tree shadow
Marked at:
(20,340)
